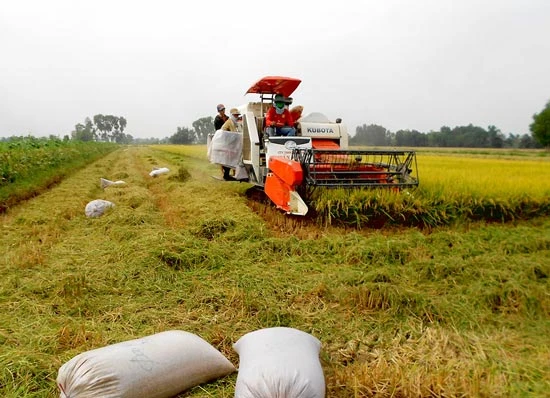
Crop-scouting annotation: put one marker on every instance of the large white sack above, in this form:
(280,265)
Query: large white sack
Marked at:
(97,207)
(157,366)
(226,148)
(279,363)
(158,171)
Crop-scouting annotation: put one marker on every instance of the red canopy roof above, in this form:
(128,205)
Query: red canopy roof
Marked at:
(275,85)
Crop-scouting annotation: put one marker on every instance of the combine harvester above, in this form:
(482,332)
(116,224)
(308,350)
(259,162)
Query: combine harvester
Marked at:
(288,169)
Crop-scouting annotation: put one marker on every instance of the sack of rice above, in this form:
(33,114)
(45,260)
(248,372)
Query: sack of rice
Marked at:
(97,207)
(279,362)
(158,171)
(157,366)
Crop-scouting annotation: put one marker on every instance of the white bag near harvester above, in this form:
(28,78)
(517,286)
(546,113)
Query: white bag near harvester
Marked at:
(209,145)
(279,362)
(226,148)
(158,171)
(240,172)
(157,366)
(97,207)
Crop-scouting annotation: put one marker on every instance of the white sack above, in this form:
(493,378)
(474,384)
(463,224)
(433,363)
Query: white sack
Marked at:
(240,172)
(226,148)
(158,171)
(107,183)
(209,144)
(279,362)
(157,366)
(97,207)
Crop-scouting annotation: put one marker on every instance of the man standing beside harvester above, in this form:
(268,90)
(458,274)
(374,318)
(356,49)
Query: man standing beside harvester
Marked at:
(219,121)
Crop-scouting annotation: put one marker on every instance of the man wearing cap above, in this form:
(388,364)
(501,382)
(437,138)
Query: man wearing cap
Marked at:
(233,123)
(278,119)
(221,117)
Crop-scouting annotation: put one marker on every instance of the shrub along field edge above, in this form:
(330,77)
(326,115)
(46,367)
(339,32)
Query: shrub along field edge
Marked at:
(30,165)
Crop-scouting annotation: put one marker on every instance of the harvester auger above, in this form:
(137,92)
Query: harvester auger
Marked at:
(286,168)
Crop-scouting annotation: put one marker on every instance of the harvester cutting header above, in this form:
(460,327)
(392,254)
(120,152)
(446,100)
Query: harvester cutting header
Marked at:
(288,168)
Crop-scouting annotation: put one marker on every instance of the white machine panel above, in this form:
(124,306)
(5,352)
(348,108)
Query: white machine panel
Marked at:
(320,130)
(283,146)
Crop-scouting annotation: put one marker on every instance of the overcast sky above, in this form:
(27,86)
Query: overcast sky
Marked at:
(163,64)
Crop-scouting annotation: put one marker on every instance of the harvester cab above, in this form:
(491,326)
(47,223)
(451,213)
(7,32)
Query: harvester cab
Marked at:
(288,168)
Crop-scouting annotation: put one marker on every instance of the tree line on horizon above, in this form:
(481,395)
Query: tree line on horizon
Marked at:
(110,128)
(469,136)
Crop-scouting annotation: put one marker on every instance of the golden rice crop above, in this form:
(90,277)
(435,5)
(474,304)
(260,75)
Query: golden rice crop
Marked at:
(454,186)
(451,188)
(484,177)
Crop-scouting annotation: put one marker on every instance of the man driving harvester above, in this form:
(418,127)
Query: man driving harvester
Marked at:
(278,119)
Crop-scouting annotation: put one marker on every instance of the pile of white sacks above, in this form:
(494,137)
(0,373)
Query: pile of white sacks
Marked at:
(273,362)
(98,207)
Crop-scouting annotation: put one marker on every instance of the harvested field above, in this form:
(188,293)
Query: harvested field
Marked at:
(454,308)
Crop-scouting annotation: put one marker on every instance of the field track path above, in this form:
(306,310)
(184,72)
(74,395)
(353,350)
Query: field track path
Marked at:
(162,201)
